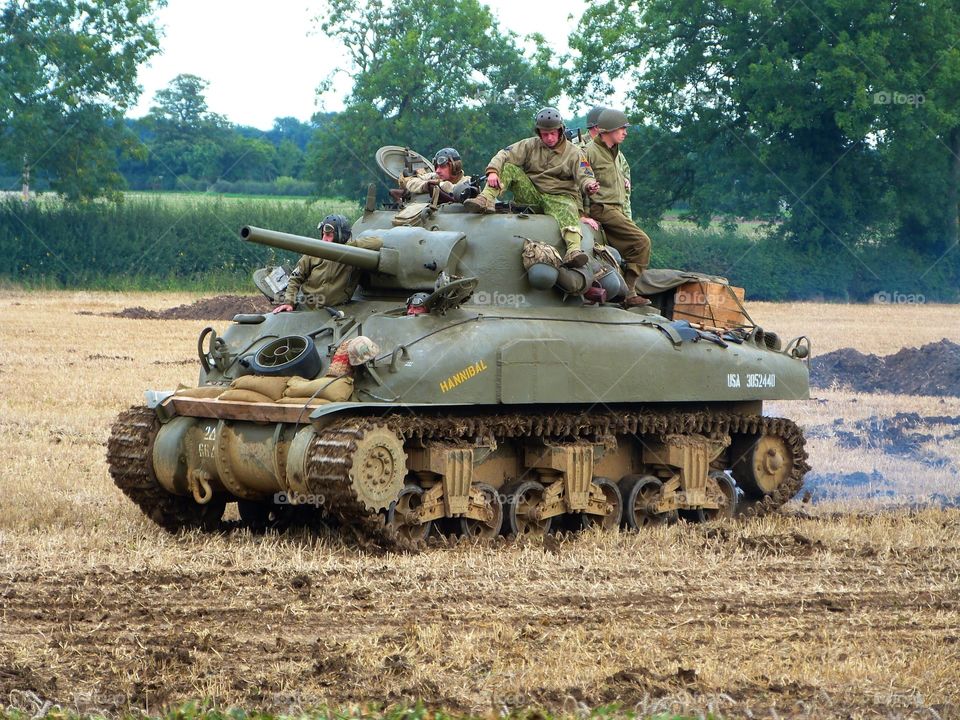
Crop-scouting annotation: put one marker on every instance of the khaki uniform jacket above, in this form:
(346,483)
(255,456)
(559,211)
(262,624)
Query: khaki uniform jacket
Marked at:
(624,170)
(561,170)
(607,170)
(418,183)
(326,282)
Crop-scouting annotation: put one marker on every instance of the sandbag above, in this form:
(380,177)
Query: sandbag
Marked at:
(329,388)
(204,391)
(302,401)
(244,396)
(272,387)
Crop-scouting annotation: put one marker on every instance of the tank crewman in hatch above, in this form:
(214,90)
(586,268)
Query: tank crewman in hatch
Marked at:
(326,282)
(448,175)
(547,172)
(606,206)
(593,117)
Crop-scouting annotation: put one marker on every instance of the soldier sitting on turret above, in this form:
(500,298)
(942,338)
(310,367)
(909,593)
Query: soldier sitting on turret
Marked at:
(607,206)
(547,172)
(448,176)
(326,282)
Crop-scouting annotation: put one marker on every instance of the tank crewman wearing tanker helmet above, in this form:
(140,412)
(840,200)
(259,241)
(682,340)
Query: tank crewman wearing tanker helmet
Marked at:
(593,117)
(547,172)
(447,175)
(606,206)
(326,282)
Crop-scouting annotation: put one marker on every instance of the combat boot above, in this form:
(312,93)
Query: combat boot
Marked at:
(575,258)
(480,204)
(635,301)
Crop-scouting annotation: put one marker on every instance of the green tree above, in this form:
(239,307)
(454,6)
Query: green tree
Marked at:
(68,71)
(777,108)
(186,138)
(426,75)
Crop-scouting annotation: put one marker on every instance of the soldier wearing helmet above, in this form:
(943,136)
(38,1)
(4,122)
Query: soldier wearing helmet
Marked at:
(326,282)
(593,118)
(447,175)
(606,206)
(546,172)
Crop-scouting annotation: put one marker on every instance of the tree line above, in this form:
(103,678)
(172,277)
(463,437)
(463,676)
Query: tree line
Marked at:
(837,125)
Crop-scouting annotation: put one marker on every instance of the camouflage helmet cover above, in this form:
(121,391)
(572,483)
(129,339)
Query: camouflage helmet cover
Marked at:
(340,225)
(593,117)
(611,120)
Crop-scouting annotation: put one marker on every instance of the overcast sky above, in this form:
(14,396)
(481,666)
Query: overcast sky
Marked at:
(263,59)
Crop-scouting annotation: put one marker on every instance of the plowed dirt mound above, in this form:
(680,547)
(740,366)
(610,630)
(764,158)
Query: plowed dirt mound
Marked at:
(222,307)
(933,369)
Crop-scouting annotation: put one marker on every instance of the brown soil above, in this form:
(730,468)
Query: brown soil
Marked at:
(933,369)
(841,618)
(222,307)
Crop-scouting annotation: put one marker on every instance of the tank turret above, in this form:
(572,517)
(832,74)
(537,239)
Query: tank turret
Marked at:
(474,386)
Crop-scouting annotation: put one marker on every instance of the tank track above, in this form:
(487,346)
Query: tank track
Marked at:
(130,448)
(130,457)
(330,453)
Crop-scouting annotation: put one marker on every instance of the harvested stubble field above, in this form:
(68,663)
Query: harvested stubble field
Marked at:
(848,606)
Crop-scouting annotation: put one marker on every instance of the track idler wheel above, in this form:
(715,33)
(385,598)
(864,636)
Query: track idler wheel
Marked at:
(760,465)
(403,517)
(521,514)
(613,502)
(640,496)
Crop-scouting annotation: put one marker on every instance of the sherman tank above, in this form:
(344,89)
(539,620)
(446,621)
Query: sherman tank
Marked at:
(482,389)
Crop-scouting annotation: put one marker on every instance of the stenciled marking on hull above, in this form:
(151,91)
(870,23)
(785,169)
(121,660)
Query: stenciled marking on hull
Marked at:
(754,380)
(467,373)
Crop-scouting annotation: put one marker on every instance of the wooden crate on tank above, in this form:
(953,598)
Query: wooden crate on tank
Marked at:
(711,304)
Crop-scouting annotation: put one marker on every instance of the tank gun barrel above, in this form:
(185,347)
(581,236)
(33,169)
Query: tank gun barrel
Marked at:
(346,254)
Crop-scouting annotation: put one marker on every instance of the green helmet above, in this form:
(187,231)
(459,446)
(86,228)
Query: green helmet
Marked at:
(593,117)
(340,226)
(548,118)
(611,120)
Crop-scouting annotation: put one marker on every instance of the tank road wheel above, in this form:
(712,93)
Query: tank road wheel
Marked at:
(640,495)
(761,465)
(726,510)
(130,457)
(485,529)
(378,469)
(519,515)
(614,503)
(402,516)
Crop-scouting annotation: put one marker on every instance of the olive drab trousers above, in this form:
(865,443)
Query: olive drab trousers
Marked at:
(631,242)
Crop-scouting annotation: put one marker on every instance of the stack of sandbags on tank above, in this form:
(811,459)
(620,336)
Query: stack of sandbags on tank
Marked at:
(204,391)
(256,388)
(337,384)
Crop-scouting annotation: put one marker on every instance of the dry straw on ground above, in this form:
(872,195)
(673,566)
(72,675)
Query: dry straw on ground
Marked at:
(832,610)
